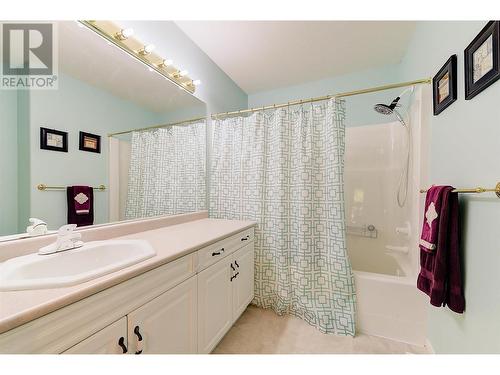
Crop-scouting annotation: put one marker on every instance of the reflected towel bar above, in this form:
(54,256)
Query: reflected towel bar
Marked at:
(477,190)
(43,187)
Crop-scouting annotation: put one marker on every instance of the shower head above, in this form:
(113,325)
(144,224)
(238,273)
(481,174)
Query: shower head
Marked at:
(385,109)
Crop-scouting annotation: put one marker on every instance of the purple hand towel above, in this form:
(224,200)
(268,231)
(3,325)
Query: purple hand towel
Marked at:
(80,205)
(440,274)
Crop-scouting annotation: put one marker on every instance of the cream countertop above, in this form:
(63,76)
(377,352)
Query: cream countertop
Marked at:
(170,243)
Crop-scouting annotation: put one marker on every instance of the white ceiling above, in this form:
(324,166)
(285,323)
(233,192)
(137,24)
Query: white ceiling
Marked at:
(263,55)
(89,58)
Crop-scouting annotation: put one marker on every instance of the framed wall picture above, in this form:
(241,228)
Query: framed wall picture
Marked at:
(444,85)
(90,142)
(54,140)
(481,60)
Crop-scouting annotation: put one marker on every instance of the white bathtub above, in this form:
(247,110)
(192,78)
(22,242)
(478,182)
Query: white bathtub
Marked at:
(391,307)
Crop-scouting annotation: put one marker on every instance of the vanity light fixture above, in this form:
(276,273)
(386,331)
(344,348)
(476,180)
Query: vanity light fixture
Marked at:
(123,39)
(148,48)
(124,34)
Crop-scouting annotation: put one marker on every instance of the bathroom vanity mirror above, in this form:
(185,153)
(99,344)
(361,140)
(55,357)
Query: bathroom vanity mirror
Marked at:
(113,124)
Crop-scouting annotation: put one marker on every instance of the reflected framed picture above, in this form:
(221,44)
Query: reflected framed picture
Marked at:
(90,142)
(444,85)
(54,140)
(481,60)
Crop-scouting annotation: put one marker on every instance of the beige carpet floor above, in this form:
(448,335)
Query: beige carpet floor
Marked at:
(260,331)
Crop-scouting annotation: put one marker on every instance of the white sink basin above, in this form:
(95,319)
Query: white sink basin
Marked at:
(72,267)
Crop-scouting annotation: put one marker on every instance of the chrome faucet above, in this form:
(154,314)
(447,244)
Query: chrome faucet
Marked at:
(66,240)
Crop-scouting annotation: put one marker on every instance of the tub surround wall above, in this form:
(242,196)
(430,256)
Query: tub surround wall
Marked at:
(463,152)
(373,161)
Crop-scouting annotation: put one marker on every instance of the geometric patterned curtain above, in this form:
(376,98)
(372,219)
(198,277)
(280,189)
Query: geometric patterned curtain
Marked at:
(284,170)
(167,171)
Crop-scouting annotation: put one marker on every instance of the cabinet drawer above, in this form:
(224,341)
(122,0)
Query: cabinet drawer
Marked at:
(110,340)
(213,253)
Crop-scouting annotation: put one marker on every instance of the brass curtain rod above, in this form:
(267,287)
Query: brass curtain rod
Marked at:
(43,187)
(477,190)
(158,126)
(327,97)
(295,102)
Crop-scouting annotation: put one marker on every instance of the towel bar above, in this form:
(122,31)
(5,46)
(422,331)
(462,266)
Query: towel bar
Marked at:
(477,190)
(43,187)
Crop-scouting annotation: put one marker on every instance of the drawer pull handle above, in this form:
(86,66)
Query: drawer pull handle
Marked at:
(246,238)
(237,265)
(235,276)
(139,340)
(121,342)
(232,267)
(218,252)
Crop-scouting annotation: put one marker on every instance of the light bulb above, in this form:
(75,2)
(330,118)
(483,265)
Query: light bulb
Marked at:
(183,73)
(128,32)
(124,34)
(167,62)
(149,48)
(196,82)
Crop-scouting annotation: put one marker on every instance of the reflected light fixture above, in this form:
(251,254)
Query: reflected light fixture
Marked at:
(124,39)
(124,34)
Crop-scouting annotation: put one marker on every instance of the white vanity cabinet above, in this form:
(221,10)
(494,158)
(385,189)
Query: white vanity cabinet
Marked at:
(243,282)
(224,291)
(167,324)
(184,306)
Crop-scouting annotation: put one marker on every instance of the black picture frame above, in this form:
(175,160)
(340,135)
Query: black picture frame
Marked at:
(84,139)
(449,69)
(50,137)
(472,86)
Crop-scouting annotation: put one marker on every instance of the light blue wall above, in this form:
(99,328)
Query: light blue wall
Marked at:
(359,108)
(23,159)
(73,107)
(8,162)
(465,140)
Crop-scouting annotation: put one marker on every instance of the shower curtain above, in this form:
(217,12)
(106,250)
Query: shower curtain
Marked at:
(284,170)
(167,171)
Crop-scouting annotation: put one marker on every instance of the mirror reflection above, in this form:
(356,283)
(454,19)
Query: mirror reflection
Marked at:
(114,141)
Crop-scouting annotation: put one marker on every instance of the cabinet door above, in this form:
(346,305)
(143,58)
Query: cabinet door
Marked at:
(110,340)
(243,284)
(214,304)
(167,324)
